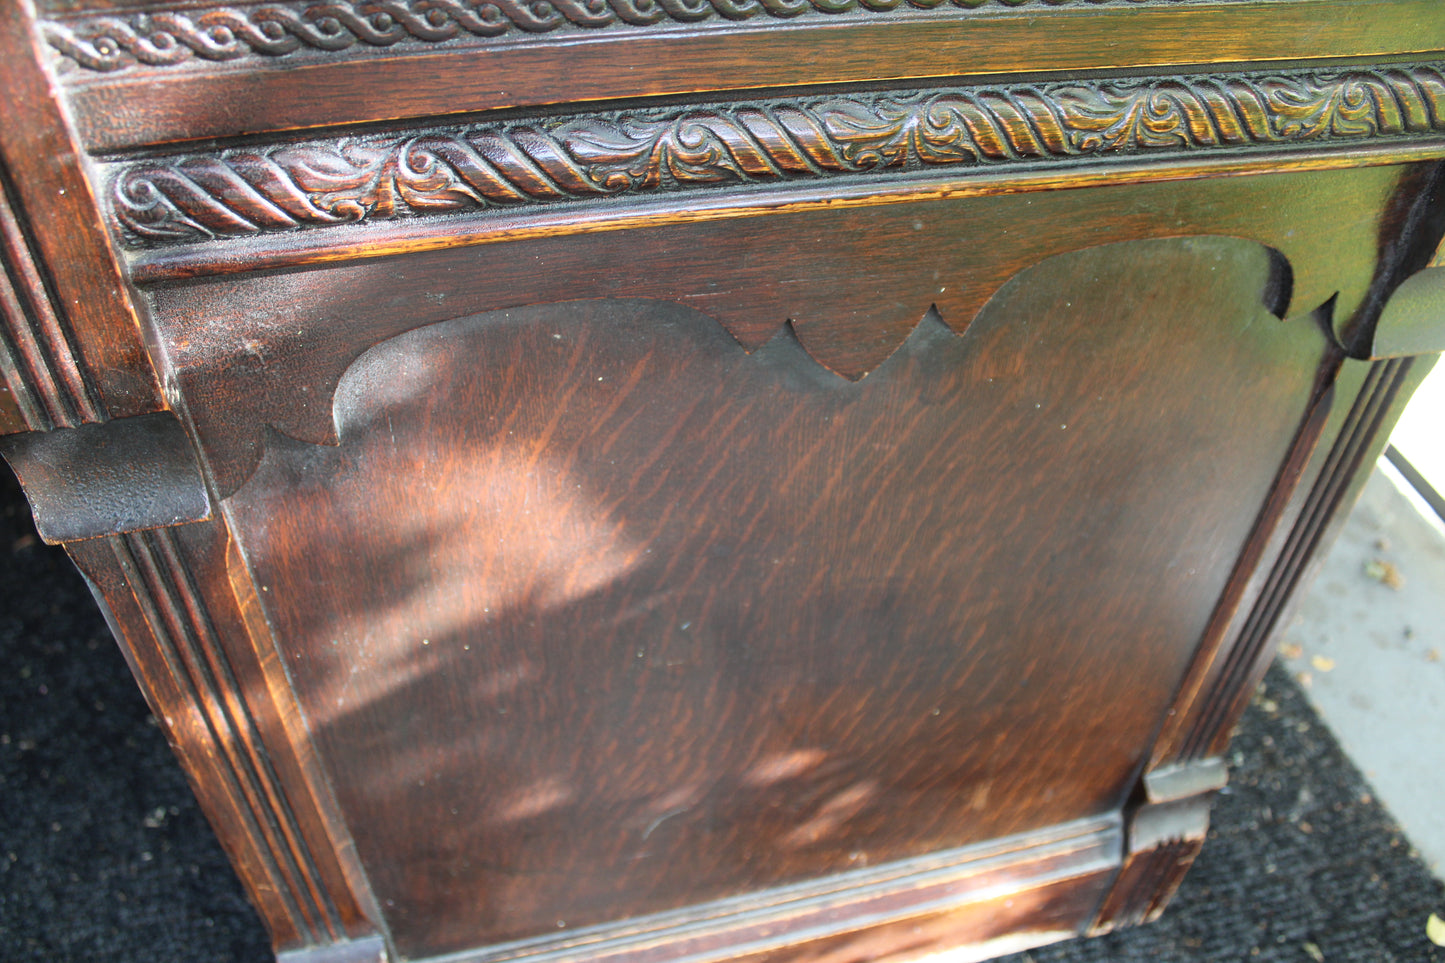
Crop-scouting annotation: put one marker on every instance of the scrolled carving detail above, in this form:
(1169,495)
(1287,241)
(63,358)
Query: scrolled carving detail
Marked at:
(1238,111)
(164,38)
(255,190)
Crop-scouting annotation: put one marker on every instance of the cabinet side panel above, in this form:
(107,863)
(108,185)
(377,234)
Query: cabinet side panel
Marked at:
(595,614)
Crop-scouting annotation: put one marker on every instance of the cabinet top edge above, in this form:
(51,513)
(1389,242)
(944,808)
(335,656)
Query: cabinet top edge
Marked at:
(215,85)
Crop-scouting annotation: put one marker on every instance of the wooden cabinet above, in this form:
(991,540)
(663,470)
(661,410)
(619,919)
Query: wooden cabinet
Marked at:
(664,481)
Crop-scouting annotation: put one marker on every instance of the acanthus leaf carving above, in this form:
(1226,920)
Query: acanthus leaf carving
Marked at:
(284,187)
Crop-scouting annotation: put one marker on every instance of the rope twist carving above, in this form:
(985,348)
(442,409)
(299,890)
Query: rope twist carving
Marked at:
(249,191)
(107,43)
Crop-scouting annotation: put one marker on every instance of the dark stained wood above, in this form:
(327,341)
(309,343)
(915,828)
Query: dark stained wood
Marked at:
(147,106)
(708,500)
(39,388)
(63,286)
(180,604)
(526,165)
(302,329)
(346,244)
(1163,839)
(1359,416)
(770,483)
(994,894)
(491,182)
(12,417)
(1045,913)
(43,381)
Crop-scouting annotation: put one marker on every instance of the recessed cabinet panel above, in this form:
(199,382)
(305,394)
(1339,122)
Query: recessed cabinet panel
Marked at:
(595,614)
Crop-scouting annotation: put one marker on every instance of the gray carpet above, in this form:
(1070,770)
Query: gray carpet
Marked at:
(106,858)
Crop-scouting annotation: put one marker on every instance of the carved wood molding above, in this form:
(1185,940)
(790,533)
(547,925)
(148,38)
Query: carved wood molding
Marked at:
(1163,840)
(224,33)
(1209,722)
(188,652)
(37,363)
(281,187)
(971,889)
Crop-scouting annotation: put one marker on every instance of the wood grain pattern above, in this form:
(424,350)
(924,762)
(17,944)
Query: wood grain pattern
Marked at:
(192,656)
(692,479)
(1146,884)
(71,327)
(694,551)
(1356,404)
(159,105)
(299,331)
(1164,837)
(1209,705)
(40,368)
(189,649)
(979,894)
(436,171)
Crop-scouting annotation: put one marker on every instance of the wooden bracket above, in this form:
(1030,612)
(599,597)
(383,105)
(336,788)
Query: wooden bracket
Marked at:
(125,475)
(1164,835)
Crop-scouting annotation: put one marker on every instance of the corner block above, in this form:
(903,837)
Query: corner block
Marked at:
(125,475)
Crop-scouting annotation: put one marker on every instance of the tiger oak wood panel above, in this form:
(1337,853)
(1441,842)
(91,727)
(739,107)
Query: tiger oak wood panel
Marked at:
(705,480)
(738,621)
(265,350)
